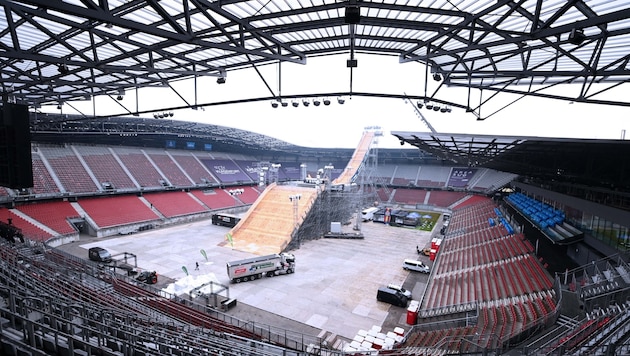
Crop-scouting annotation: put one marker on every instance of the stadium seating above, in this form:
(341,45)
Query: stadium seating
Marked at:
(67,167)
(42,180)
(169,168)
(116,211)
(172,204)
(487,269)
(216,198)
(55,215)
(143,171)
(105,167)
(29,230)
(193,167)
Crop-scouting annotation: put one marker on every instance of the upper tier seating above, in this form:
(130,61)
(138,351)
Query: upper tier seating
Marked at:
(67,167)
(105,167)
(169,168)
(42,180)
(140,167)
(194,168)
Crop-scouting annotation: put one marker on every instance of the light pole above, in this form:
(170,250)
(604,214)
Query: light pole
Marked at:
(328,172)
(303,167)
(295,199)
(275,167)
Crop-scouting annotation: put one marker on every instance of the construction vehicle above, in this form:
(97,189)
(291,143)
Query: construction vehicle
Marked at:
(148,277)
(255,267)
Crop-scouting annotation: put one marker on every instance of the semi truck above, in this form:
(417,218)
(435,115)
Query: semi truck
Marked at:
(255,267)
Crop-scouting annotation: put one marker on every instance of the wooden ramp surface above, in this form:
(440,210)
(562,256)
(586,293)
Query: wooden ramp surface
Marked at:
(269,222)
(357,159)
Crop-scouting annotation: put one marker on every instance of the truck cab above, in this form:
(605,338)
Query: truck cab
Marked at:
(287,265)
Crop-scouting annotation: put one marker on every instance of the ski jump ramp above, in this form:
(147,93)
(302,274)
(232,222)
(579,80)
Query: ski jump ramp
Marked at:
(269,223)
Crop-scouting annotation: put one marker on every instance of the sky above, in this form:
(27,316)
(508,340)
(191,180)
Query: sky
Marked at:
(341,126)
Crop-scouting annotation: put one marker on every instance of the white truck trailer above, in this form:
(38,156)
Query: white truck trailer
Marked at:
(255,267)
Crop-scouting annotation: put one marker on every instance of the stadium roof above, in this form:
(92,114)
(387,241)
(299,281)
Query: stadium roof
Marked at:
(57,51)
(591,162)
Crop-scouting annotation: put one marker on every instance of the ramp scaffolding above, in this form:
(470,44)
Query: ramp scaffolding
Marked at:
(285,214)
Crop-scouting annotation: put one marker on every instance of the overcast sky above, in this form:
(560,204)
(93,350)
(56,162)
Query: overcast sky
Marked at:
(342,125)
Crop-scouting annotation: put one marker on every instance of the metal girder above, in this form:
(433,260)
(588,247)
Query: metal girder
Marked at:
(68,49)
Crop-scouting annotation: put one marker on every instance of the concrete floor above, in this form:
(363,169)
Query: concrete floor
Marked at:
(333,289)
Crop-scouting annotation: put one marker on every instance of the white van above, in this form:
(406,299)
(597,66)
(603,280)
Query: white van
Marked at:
(368,214)
(413,265)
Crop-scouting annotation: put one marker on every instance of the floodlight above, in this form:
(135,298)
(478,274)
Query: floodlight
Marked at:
(576,36)
(63,68)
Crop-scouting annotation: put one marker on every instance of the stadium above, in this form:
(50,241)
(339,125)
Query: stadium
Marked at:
(503,244)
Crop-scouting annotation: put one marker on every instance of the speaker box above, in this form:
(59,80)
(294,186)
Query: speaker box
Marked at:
(16,167)
(353,15)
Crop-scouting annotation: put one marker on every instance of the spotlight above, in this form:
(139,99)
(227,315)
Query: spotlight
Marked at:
(326,102)
(437,77)
(436,108)
(274,104)
(443,109)
(221,80)
(295,103)
(402,142)
(119,97)
(155,115)
(341,100)
(576,36)
(58,106)
(171,114)
(305,102)
(448,109)
(63,69)
(284,104)
(316,102)
(429,105)
(419,104)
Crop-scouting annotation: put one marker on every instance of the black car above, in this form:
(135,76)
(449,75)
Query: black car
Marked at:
(99,254)
(392,296)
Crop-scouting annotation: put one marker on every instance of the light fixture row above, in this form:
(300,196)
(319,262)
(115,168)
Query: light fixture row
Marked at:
(433,106)
(305,102)
(162,115)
